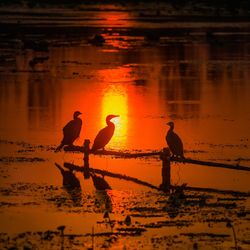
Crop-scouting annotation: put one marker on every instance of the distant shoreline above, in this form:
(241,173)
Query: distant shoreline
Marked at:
(128,20)
(202,8)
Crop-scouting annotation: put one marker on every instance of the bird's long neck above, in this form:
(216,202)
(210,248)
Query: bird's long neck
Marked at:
(76,118)
(109,123)
(171,129)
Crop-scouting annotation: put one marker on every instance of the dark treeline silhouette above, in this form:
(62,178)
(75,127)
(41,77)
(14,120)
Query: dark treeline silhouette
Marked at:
(230,5)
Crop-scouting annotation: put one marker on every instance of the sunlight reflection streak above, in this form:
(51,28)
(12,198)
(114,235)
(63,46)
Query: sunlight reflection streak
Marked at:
(115,102)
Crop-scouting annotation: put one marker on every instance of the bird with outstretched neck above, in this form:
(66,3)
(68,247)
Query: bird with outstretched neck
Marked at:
(174,142)
(104,135)
(71,131)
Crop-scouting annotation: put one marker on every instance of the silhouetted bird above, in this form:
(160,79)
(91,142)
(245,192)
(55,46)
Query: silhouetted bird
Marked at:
(105,134)
(174,142)
(71,131)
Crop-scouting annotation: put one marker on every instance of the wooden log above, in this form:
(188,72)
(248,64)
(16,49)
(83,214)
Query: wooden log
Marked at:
(73,148)
(211,164)
(86,153)
(126,154)
(166,170)
(111,152)
(155,153)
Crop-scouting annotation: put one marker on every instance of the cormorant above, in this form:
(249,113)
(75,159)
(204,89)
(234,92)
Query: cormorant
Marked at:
(174,141)
(105,134)
(71,131)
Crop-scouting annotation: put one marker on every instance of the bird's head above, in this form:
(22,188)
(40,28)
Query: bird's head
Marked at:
(76,114)
(109,117)
(171,125)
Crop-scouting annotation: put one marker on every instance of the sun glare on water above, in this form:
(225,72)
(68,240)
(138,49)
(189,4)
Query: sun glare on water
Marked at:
(115,102)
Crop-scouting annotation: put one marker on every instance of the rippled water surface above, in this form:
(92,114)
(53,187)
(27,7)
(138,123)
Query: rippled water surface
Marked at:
(199,80)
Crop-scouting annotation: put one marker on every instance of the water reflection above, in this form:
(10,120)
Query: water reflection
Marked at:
(115,19)
(42,101)
(71,185)
(103,201)
(202,86)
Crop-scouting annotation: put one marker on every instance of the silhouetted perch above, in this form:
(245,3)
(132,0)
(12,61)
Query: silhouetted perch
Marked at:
(155,153)
(86,153)
(86,172)
(126,154)
(166,170)
(211,164)
(111,152)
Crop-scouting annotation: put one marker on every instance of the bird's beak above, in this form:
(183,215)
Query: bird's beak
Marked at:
(114,116)
(168,124)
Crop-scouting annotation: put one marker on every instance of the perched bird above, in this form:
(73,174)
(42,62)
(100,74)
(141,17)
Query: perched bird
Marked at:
(105,134)
(174,141)
(71,131)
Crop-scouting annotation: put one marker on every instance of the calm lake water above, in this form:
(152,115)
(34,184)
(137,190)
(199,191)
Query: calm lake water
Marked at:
(198,80)
(201,84)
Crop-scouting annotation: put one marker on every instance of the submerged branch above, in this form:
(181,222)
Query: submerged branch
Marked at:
(155,153)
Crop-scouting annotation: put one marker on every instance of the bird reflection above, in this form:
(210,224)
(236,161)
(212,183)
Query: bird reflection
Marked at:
(104,135)
(174,141)
(103,200)
(71,184)
(71,131)
(100,183)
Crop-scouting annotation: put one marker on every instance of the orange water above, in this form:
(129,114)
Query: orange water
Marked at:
(201,85)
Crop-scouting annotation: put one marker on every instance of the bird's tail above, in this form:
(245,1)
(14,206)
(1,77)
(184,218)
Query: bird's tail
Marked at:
(92,150)
(59,147)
